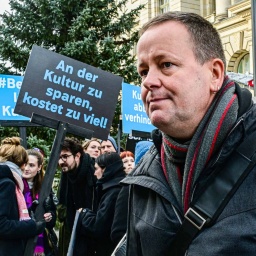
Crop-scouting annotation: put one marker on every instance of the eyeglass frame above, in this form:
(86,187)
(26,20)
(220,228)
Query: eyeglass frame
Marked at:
(64,157)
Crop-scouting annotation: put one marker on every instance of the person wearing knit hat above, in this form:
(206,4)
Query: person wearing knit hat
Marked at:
(108,145)
(141,148)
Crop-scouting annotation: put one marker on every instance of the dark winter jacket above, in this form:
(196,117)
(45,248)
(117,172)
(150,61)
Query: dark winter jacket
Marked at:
(97,225)
(76,191)
(13,233)
(119,225)
(155,216)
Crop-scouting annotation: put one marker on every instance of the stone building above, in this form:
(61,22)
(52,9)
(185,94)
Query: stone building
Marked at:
(232,18)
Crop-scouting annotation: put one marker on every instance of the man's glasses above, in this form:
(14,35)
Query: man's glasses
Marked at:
(64,157)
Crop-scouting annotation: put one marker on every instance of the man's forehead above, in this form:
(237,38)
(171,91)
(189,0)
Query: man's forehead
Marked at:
(106,143)
(63,152)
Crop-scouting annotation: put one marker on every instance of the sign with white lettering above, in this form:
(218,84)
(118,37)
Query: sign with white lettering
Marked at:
(132,141)
(9,91)
(73,92)
(134,116)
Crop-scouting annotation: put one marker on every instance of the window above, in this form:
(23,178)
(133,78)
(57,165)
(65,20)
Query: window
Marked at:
(164,6)
(244,64)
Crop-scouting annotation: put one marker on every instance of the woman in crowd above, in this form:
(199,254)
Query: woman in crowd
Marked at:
(92,147)
(33,175)
(16,226)
(128,161)
(97,225)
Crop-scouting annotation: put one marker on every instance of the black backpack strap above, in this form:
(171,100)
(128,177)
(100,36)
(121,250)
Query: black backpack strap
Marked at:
(217,193)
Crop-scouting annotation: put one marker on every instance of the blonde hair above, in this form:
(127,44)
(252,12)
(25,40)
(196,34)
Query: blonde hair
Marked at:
(87,143)
(11,150)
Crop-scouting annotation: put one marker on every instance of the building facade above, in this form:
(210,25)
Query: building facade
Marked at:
(232,19)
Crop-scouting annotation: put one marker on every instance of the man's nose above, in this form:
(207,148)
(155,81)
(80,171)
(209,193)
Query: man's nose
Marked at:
(60,160)
(152,80)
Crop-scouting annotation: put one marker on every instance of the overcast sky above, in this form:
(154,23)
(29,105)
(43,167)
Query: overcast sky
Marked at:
(4,6)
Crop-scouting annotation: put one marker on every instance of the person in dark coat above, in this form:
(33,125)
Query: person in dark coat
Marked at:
(119,226)
(76,190)
(16,227)
(97,225)
(203,120)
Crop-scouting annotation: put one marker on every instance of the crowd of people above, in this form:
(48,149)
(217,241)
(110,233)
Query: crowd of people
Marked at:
(91,172)
(189,192)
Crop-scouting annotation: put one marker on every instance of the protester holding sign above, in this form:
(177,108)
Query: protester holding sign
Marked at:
(16,226)
(96,225)
(76,188)
(33,175)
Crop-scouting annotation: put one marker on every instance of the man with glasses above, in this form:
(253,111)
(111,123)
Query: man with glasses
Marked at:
(76,188)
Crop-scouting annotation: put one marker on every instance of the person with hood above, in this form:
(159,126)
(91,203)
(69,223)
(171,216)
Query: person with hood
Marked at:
(119,226)
(16,226)
(96,225)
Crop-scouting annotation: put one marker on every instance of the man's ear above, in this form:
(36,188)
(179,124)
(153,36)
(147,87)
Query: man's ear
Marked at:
(217,69)
(78,154)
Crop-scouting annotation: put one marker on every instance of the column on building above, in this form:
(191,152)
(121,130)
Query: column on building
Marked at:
(208,5)
(221,9)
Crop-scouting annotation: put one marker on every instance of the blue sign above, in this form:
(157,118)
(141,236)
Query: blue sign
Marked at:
(9,91)
(134,116)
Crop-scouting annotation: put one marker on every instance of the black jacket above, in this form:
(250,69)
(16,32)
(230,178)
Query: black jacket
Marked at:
(96,226)
(155,216)
(77,190)
(13,233)
(119,225)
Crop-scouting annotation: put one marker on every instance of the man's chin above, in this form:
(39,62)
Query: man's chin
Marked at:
(65,169)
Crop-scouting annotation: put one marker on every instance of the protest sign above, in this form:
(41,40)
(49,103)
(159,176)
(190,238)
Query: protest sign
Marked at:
(9,90)
(131,142)
(70,91)
(134,116)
